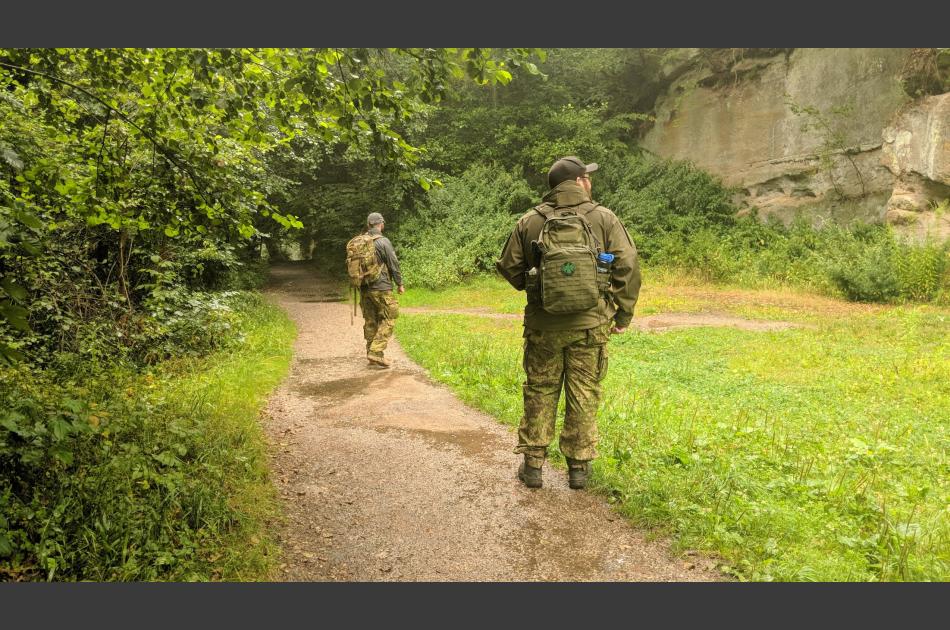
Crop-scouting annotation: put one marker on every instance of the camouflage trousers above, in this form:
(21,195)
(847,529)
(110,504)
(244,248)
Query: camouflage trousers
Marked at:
(577,361)
(380,310)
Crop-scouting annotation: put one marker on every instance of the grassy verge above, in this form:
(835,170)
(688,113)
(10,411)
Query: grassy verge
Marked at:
(112,473)
(817,453)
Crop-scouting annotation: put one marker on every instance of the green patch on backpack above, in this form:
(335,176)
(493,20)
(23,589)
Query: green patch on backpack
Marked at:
(568,269)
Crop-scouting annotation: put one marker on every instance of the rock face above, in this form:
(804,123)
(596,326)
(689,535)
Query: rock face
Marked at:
(916,150)
(828,134)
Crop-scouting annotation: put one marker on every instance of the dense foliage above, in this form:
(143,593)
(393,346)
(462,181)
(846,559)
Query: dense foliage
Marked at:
(591,103)
(458,233)
(126,173)
(138,188)
(114,473)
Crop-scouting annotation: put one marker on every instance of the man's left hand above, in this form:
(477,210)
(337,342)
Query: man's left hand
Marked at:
(402,289)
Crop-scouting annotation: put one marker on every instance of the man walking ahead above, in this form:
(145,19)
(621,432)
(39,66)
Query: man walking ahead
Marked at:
(579,267)
(379,305)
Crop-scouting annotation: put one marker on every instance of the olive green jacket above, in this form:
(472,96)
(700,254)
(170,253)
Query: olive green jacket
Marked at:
(519,255)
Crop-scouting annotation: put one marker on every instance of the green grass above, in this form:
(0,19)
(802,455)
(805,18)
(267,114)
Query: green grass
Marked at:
(489,292)
(158,474)
(817,453)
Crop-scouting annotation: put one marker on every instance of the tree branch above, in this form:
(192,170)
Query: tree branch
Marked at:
(167,153)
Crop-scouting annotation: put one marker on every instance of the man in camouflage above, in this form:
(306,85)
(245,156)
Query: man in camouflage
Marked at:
(379,305)
(568,350)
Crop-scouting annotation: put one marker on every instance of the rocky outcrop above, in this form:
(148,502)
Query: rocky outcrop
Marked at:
(828,134)
(916,150)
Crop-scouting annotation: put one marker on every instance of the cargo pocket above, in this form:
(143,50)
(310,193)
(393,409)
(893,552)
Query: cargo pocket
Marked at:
(392,307)
(530,338)
(602,363)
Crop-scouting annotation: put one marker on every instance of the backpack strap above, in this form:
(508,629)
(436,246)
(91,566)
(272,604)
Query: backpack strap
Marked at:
(581,215)
(549,208)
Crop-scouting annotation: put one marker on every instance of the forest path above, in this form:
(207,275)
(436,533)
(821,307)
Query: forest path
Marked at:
(385,475)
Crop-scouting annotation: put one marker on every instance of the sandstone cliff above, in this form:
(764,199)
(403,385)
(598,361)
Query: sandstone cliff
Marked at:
(831,134)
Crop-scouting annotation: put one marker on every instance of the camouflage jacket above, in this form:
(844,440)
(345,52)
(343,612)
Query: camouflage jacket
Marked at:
(518,256)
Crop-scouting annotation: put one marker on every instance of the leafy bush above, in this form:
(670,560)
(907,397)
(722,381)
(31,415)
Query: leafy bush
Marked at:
(463,227)
(705,252)
(683,218)
(110,473)
(184,323)
(868,276)
(923,271)
(661,201)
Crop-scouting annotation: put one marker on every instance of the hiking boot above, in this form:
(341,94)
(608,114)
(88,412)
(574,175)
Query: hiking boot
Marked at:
(577,473)
(378,359)
(529,475)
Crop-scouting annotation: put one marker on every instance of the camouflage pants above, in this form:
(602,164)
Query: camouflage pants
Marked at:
(577,361)
(380,310)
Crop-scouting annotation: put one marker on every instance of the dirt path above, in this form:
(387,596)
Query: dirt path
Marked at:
(651,323)
(385,475)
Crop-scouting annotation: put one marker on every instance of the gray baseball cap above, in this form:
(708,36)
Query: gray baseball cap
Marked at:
(374,218)
(566,168)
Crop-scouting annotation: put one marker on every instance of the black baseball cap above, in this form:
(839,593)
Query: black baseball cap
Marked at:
(566,168)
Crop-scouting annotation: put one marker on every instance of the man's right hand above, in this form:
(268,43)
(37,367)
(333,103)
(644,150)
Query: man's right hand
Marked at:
(618,330)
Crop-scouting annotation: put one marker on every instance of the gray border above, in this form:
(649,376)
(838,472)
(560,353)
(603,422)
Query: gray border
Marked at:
(487,22)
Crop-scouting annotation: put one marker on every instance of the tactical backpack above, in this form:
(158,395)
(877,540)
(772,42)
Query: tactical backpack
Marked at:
(362,264)
(568,267)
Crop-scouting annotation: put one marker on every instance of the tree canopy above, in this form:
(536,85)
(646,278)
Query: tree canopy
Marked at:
(120,161)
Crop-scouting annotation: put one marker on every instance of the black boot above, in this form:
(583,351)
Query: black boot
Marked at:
(577,473)
(529,475)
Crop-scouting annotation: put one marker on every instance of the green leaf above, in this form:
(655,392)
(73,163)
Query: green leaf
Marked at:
(29,220)
(11,422)
(30,248)
(6,546)
(8,355)
(14,290)
(15,316)
(63,455)
(171,231)
(60,428)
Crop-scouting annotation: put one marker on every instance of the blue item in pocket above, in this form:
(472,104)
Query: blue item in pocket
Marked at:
(603,262)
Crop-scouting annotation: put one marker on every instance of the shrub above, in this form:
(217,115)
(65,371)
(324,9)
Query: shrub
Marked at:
(923,271)
(463,227)
(868,275)
(660,200)
(111,473)
(683,218)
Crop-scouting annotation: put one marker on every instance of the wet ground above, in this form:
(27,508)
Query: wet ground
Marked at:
(386,476)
